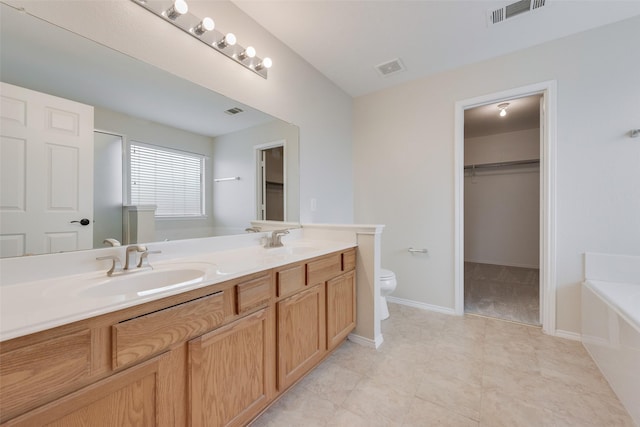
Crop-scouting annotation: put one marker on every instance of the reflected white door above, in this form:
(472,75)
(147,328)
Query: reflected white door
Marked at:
(46,162)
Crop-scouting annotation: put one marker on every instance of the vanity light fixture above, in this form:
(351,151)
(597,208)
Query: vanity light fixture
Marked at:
(228,40)
(265,64)
(249,52)
(176,12)
(503,108)
(178,8)
(205,25)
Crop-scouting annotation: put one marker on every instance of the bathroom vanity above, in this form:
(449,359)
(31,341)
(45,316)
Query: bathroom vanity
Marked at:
(212,354)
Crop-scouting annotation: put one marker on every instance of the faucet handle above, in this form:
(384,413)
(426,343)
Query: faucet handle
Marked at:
(112,242)
(144,258)
(116,265)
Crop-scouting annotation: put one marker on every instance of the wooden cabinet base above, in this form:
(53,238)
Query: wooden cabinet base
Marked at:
(231,372)
(138,396)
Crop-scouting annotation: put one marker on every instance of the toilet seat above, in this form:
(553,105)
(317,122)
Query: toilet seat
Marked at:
(386,274)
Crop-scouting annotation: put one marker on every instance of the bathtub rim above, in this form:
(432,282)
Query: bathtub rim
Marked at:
(596,286)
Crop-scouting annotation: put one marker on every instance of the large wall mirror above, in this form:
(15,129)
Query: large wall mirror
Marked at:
(138,110)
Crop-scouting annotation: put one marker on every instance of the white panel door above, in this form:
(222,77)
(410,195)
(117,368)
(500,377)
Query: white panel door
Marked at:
(46,173)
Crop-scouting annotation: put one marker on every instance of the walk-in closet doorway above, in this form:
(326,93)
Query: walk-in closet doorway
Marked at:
(489,257)
(502,210)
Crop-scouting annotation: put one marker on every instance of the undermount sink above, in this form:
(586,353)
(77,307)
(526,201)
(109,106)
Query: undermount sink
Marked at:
(143,283)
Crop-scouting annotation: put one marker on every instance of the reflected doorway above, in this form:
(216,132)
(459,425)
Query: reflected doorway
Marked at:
(107,184)
(271,188)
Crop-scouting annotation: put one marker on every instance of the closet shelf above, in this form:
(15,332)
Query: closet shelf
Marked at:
(503,164)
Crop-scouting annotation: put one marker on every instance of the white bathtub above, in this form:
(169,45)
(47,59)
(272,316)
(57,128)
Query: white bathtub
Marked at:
(611,335)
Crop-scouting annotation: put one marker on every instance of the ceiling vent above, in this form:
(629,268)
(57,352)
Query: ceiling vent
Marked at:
(235,110)
(390,67)
(512,10)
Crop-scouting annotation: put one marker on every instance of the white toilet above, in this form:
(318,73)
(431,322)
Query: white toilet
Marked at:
(388,284)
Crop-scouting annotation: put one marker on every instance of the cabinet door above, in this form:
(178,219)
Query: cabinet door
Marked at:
(232,371)
(138,396)
(341,308)
(301,334)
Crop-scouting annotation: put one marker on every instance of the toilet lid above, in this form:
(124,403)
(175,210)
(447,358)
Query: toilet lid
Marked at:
(386,274)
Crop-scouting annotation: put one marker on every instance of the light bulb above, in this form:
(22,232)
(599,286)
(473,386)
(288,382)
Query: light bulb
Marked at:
(249,52)
(266,63)
(179,8)
(503,108)
(205,25)
(228,40)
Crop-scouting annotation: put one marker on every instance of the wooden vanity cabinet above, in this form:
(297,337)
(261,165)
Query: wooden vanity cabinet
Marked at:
(301,337)
(213,356)
(138,396)
(232,372)
(341,308)
(317,319)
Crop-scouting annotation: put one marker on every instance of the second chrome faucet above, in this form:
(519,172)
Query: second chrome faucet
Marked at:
(143,263)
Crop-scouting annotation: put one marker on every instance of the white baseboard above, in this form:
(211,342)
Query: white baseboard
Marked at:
(421,305)
(568,335)
(366,342)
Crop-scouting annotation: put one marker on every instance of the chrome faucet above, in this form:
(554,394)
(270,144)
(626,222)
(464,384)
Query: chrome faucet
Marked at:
(275,240)
(144,258)
(116,265)
(132,250)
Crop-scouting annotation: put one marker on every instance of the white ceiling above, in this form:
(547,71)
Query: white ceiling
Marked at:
(522,113)
(346,39)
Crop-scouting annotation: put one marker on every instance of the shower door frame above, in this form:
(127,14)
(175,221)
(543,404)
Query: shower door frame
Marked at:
(548,90)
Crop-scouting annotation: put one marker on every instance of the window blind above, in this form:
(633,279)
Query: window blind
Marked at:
(170,179)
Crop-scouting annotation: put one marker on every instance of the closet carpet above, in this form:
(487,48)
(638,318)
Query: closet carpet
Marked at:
(510,293)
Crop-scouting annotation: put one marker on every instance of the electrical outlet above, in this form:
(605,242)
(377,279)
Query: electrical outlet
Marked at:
(314,205)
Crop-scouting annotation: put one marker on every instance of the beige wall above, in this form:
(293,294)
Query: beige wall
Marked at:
(234,202)
(404,164)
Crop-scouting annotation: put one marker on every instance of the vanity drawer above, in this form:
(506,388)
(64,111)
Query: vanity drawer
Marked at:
(349,260)
(138,338)
(323,269)
(31,375)
(290,280)
(253,294)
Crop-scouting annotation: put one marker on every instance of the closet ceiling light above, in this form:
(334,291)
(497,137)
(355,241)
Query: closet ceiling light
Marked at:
(503,108)
(176,12)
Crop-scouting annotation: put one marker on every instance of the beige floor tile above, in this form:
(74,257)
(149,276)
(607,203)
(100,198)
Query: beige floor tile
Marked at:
(463,368)
(354,357)
(426,414)
(332,382)
(298,407)
(504,409)
(440,370)
(372,399)
(345,418)
(397,374)
(452,393)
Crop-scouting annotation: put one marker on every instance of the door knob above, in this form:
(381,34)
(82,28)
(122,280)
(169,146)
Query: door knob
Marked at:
(83,221)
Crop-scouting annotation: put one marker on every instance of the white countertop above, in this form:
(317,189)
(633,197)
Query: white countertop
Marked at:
(38,305)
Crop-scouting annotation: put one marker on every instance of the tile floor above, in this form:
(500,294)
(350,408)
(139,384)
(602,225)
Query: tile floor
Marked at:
(440,370)
(511,293)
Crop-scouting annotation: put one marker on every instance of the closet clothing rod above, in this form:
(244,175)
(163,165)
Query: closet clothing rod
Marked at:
(503,164)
